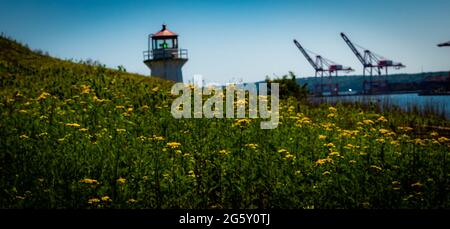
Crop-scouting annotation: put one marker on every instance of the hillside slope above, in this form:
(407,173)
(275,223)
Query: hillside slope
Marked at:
(73,135)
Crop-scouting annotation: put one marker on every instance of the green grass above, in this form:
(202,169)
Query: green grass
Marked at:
(74,135)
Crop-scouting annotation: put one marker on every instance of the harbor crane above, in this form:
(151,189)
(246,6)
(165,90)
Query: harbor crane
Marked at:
(322,67)
(371,61)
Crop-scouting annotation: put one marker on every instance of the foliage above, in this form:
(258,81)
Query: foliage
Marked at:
(83,136)
(289,87)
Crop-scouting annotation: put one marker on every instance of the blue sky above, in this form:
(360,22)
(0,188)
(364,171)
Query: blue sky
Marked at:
(235,40)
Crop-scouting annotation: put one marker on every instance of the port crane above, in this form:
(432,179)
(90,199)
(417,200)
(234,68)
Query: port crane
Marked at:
(323,67)
(371,61)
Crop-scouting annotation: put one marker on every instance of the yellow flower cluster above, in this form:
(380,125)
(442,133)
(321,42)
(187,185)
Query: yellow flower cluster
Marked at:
(302,120)
(376,168)
(44,95)
(72,124)
(287,154)
(85,89)
(328,126)
(242,122)
(332,109)
(324,161)
(121,181)
(382,119)
(252,146)
(157,138)
(93,201)
(173,145)
(224,152)
(121,130)
(405,128)
(89,181)
(348,133)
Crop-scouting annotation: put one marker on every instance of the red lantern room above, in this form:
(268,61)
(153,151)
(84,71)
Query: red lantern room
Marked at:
(164,45)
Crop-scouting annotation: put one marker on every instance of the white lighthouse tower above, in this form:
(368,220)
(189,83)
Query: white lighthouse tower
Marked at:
(163,56)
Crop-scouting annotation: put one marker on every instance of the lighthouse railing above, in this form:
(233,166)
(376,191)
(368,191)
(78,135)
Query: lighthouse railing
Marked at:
(160,54)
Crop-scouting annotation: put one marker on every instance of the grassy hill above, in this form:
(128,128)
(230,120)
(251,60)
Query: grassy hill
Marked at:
(79,135)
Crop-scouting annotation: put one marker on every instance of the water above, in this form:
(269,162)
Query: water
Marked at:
(438,104)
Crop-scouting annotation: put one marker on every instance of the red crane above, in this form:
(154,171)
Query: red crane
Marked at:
(371,61)
(322,65)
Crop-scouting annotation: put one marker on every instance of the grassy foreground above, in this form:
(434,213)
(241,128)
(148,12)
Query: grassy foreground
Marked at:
(75,135)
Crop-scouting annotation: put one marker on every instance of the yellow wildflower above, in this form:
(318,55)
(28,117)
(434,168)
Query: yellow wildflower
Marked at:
(352,161)
(417,185)
(83,129)
(289,156)
(131,201)
(322,137)
(443,139)
(382,119)
(23,136)
(436,142)
(97,100)
(419,141)
(155,89)
(93,201)
(120,107)
(224,152)
(376,168)
(191,174)
(324,160)
(43,96)
(157,138)
(335,153)
(282,151)
(252,146)
(434,134)
(242,122)
(368,122)
(85,89)
(330,145)
(332,109)
(383,131)
(396,185)
(121,130)
(173,145)
(349,146)
(72,124)
(89,181)
(106,199)
(380,140)
(406,128)
(326,173)
(331,115)
(121,181)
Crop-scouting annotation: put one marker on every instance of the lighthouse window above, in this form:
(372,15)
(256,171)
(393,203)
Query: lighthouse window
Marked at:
(164,44)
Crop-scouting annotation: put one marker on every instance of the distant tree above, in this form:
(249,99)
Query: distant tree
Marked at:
(121,68)
(289,86)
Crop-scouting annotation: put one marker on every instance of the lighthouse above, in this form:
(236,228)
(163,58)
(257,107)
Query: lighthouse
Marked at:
(163,56)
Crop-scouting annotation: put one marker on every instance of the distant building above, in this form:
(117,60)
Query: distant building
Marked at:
(163,56)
